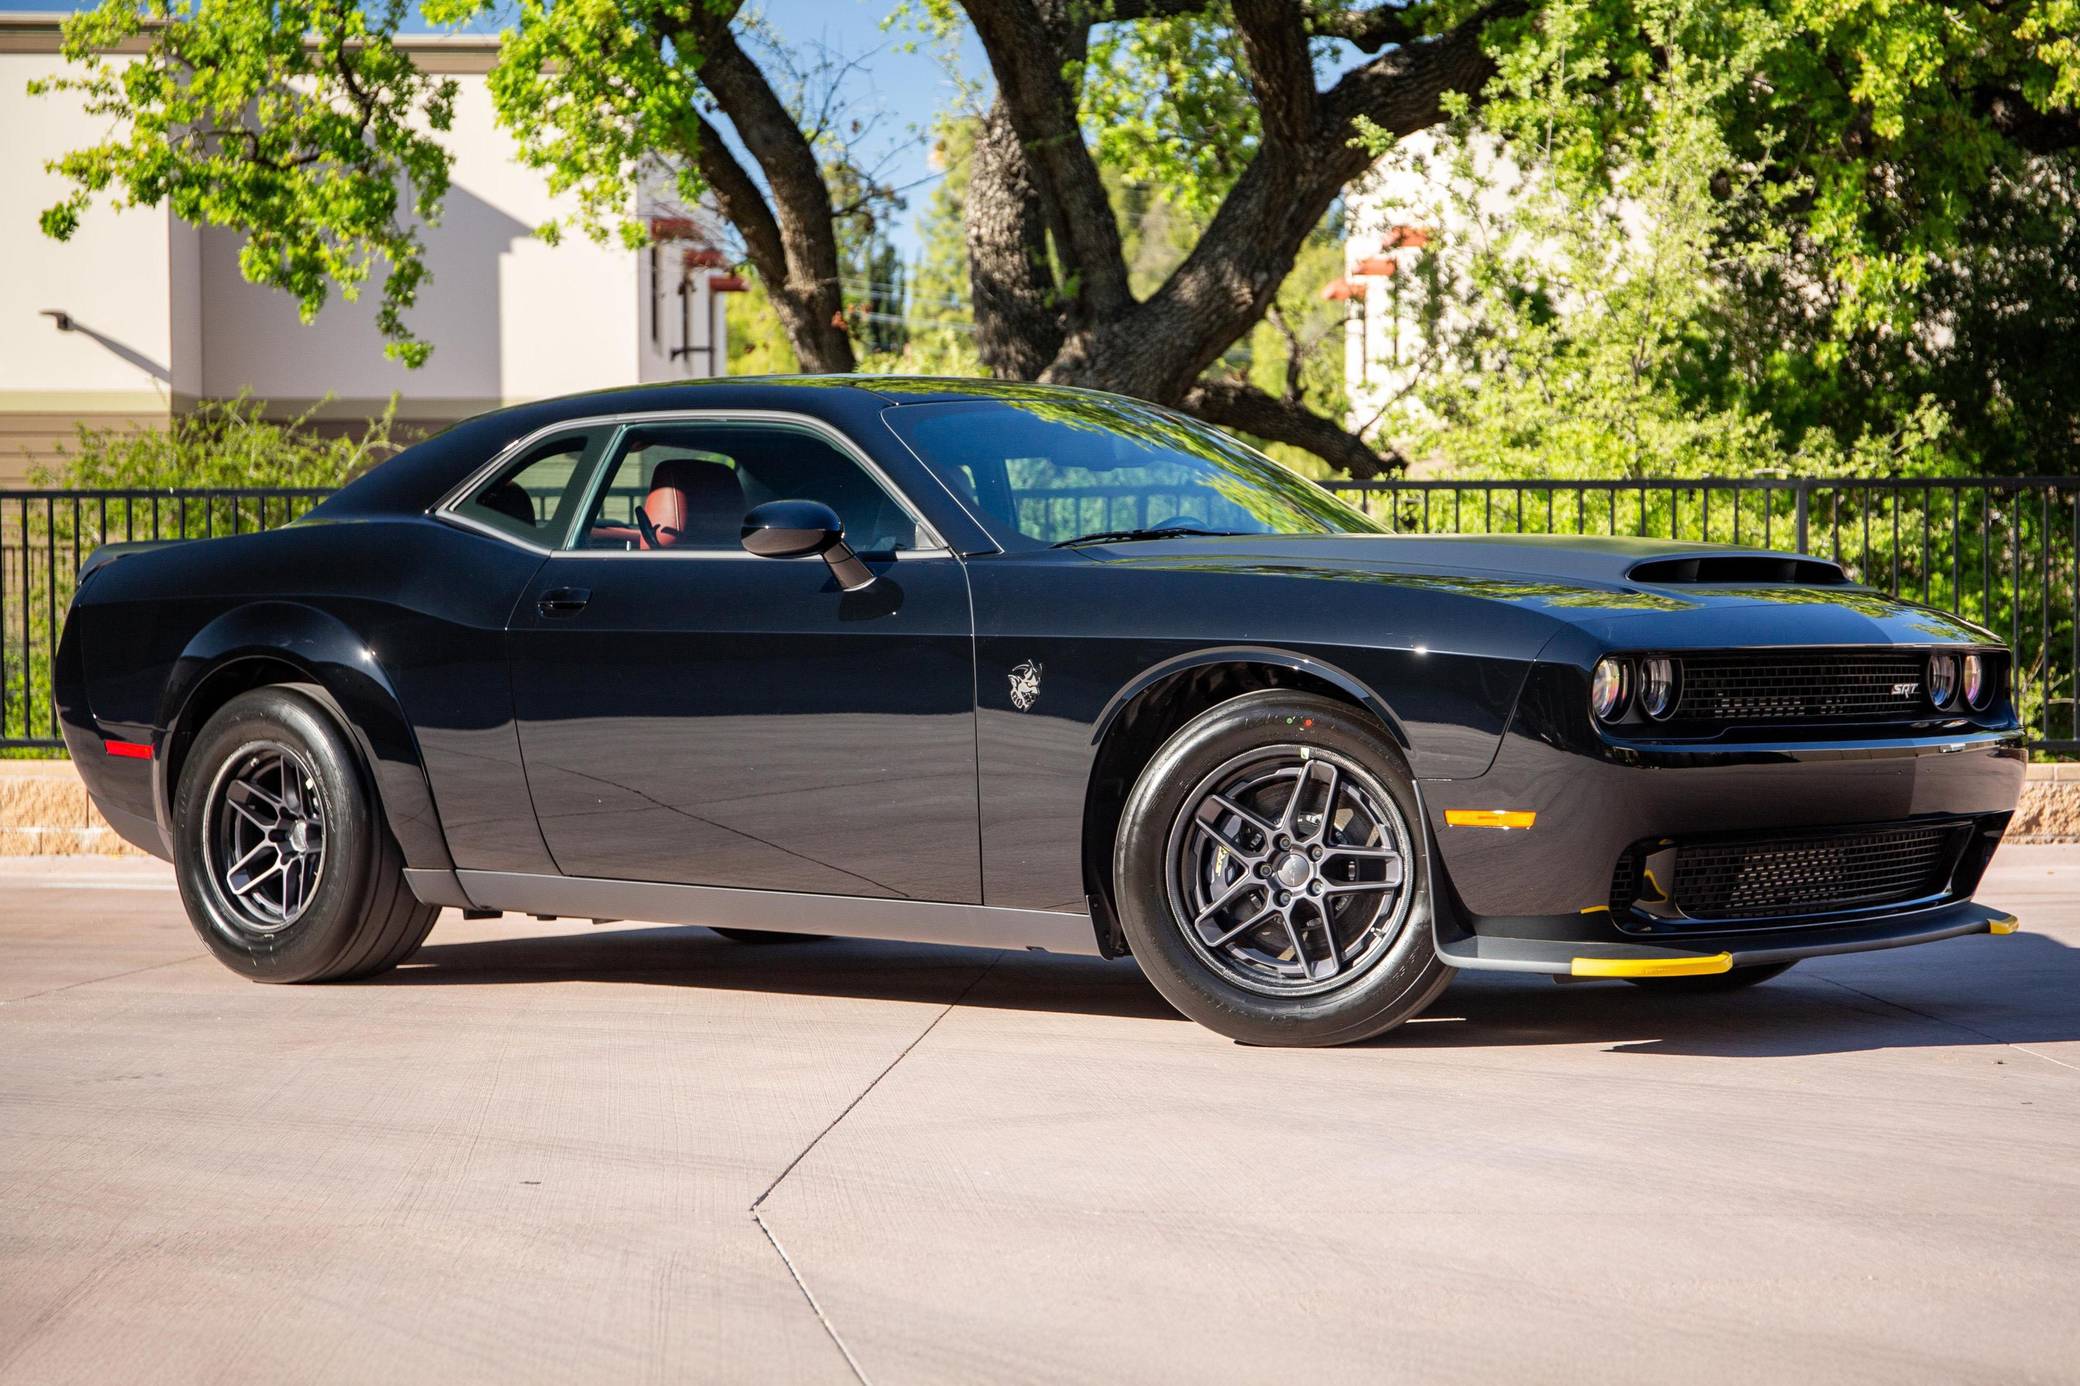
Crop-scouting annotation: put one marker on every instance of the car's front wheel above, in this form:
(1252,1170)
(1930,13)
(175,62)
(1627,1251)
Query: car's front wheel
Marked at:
(287,870)
(1272,878)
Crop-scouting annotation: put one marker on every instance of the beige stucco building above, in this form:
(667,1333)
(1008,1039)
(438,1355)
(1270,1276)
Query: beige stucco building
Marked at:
(159,316)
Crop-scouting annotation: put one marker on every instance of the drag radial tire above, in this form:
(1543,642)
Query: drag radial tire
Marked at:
(1272,874)
(286,867)
(1732,980)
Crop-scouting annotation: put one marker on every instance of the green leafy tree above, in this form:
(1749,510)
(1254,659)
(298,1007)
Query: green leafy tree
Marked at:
(306,128)
(300,124)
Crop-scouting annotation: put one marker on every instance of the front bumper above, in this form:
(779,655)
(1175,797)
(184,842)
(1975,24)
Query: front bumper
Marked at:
(1540,898)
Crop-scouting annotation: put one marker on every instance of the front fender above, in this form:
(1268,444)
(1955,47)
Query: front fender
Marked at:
(335,661)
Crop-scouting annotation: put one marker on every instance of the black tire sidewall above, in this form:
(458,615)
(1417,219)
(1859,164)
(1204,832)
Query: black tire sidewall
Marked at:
(330,925)
(1394,988)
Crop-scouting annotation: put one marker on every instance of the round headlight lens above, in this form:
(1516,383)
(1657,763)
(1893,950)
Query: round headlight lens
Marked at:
(1607,690)
(1942,679)
(1657,688)
(1978,687)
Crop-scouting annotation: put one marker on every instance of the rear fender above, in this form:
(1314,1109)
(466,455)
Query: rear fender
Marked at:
(253,644)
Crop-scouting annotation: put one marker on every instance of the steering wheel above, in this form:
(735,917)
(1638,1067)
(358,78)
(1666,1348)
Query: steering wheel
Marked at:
(649,530)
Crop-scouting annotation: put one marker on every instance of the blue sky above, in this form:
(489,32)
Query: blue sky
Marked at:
(901,90)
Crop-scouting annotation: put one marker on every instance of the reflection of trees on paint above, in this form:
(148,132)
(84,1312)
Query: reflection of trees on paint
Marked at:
(1058,464)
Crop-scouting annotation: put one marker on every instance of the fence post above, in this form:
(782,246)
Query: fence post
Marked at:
(1799,497)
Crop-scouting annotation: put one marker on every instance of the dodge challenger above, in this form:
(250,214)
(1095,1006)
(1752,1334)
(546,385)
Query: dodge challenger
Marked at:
(1024,667)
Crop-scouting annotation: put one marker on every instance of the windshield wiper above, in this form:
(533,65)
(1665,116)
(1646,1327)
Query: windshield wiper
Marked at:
(1121,536)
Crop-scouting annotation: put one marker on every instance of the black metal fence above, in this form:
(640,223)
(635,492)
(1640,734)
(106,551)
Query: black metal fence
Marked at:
(2000,551)
(45,535)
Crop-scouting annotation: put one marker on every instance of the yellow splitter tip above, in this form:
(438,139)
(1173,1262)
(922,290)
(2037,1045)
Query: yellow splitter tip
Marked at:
(2003,924)
(1490,818)
(1703,965)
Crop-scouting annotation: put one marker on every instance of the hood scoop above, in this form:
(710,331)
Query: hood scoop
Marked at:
(1720,569)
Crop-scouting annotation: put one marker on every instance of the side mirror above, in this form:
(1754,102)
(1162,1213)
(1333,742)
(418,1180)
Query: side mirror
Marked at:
(799,528)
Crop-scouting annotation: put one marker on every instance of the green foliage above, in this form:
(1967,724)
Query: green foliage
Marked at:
(1636,278)
(757,341)
(1167,104)
(222,443)
(599,94)
(298,123)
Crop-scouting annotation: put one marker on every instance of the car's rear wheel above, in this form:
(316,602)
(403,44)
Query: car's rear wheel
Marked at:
(1272,876)
(1732,980)
(287,870)
(756,936)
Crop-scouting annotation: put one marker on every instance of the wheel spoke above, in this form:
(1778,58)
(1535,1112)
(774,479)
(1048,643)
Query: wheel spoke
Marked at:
(255,850)
(1240,929)
(1235,849)
(280,863)
(1255,820)
(243,794)
(1242,886)
(1285,917)
(1335,958)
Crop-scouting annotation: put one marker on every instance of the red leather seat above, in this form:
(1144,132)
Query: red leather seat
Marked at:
(694,503)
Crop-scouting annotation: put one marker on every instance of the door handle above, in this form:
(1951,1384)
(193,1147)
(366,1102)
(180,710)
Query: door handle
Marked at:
(564,601)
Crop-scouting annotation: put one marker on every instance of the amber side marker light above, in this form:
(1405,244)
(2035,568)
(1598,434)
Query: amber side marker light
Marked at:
(132,750)
(1490,818)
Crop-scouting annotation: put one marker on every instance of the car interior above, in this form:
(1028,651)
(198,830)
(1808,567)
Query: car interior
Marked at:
(689,487)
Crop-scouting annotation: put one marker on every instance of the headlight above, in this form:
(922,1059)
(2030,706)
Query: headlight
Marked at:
(1942,679)
(1978,682)
(1607,690)
(1657,688)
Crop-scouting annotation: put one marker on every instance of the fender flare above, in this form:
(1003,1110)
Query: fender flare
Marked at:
(345,673)
(1360,692)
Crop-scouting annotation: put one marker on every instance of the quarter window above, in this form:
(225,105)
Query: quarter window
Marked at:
(688,485)
(534,496)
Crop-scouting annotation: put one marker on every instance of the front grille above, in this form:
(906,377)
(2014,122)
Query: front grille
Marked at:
(1824,873)
(1839,686)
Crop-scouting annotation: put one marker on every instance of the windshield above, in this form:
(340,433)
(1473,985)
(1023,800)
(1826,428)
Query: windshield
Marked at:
(1058,468)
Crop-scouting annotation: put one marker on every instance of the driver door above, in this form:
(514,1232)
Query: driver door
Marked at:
(692,714)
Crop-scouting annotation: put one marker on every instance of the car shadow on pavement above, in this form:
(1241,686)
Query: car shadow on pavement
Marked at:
(853,968)
(2013,991)
(2019,990)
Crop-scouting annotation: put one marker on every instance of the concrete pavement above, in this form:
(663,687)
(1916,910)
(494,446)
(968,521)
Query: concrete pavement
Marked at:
(554,1152)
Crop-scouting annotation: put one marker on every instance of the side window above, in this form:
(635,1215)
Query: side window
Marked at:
(532,498)
(688,486)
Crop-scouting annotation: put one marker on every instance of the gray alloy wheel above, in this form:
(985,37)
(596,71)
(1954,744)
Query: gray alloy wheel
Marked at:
(1290,863)
(264,835)
(285,864)
(1272,876)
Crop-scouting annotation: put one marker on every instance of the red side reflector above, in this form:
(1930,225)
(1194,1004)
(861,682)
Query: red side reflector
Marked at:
(135,750)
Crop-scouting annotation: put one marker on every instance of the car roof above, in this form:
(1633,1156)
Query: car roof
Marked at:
(423,473)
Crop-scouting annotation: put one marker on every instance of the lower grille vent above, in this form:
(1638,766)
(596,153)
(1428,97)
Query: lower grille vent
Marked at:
(1814,874)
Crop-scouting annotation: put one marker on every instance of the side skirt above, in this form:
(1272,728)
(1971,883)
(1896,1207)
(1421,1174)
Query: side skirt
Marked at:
(900,921)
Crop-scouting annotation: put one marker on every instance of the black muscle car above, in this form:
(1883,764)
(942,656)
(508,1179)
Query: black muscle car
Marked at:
(1006,665)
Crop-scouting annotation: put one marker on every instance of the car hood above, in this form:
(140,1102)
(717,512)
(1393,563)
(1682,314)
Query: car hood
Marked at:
(1623,590)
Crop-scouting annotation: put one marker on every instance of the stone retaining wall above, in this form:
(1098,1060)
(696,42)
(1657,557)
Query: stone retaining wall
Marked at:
(44,811)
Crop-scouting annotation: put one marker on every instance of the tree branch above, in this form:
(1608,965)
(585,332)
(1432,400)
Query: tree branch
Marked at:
(1368,30)
(1231,275)
(1028,51)
(1018,321)
(1232,404)
(1281,69)
(814,302)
